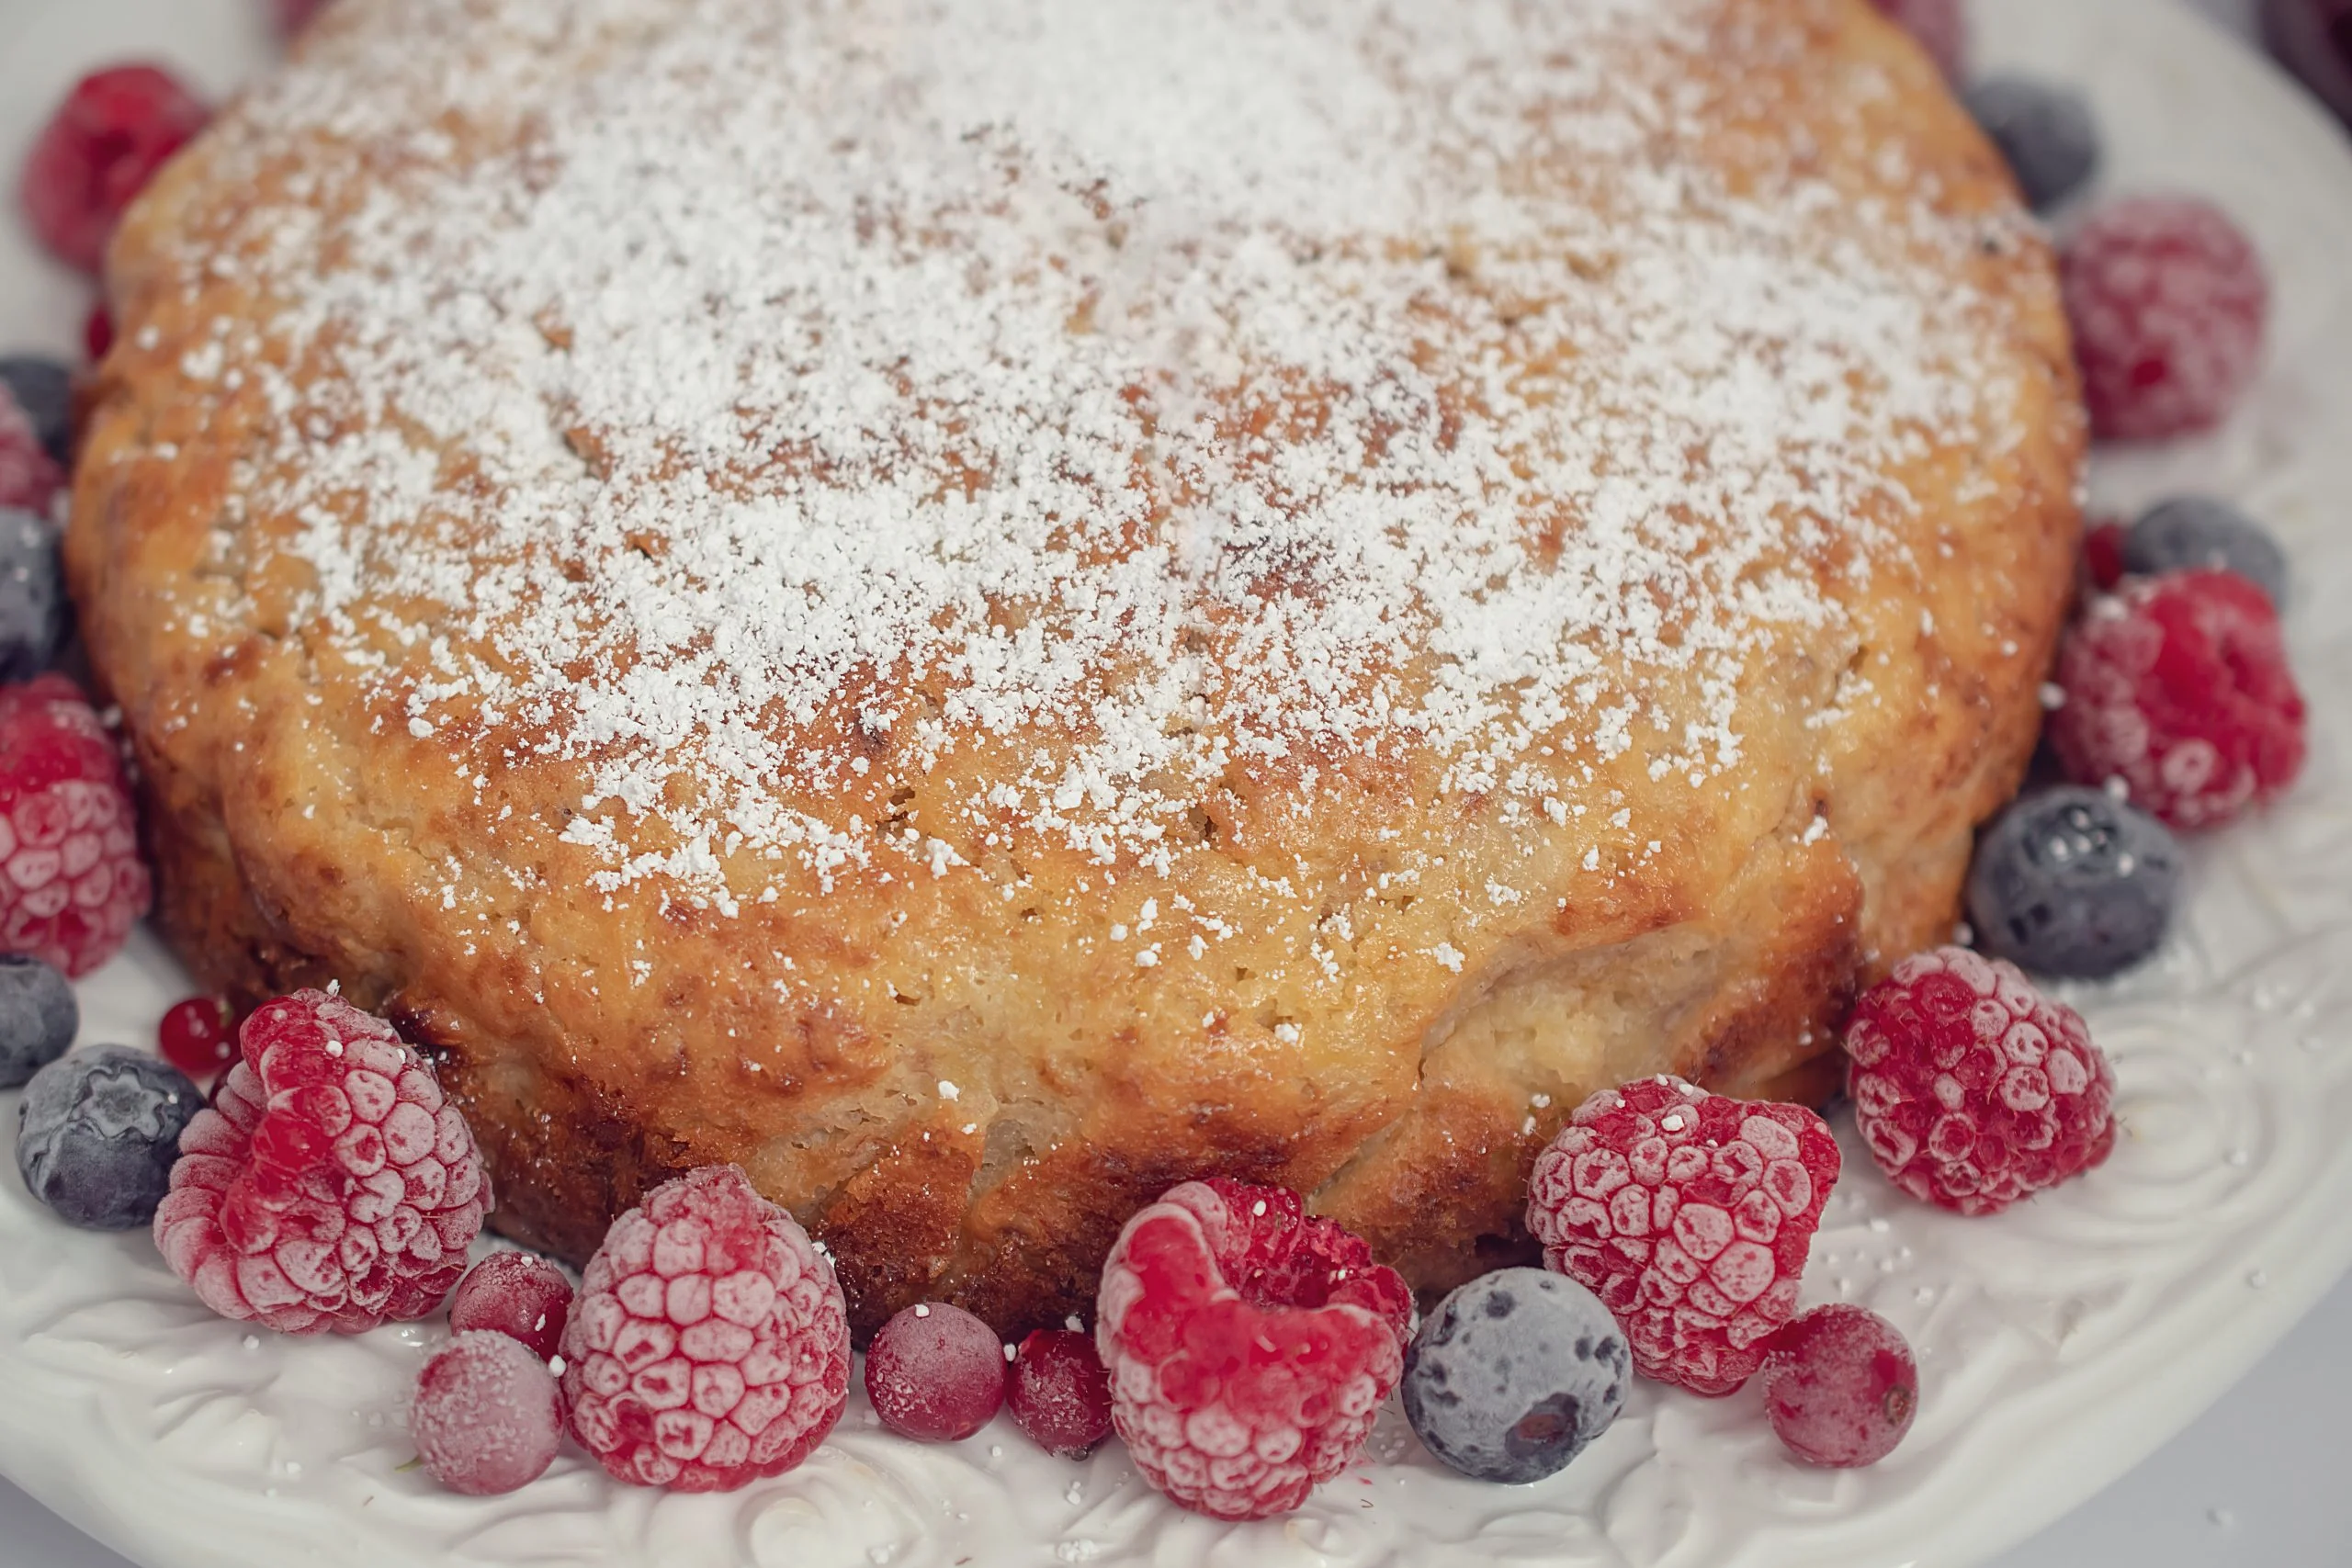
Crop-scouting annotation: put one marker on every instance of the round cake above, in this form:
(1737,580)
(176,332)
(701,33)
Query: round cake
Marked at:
(982,606)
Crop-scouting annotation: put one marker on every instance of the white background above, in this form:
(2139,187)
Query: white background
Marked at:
(2264,1479)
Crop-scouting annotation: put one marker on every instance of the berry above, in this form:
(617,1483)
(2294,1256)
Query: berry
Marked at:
(293,15)
(196,1037)
(44,391)
(1059,1394)
(37,1016)
(1249,1345)
(1514,1374)
(1690,1215)
(2046,132)
(97,1132)
(2103,554)
(2168,301)
(2191,533)
(330,1185)
(71,883)
(1972,1088)
(2072,881)
(1840,1387)
(936,1373)
(105,142)
(2313,40)
(33,606)
(1941,27)
(30,478)
(2178,687)
(487,1417)
(519,1294)
(709,1346)
(97,331)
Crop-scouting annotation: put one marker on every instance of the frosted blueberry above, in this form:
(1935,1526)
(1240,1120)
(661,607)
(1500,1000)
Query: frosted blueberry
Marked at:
(97,1134)
(37,1016)
(2044,130)
(44,389)
(2191,533)
(32,595)
(1514,1374)
(2073,882)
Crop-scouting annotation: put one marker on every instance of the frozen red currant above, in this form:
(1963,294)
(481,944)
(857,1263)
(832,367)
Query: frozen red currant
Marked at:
(519,1294)
(487,1417)
(1840,1386)
(936,1372)
(197,1036)
(1059,1394)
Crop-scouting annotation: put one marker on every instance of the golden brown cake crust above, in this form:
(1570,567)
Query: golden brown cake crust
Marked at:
(1358,923)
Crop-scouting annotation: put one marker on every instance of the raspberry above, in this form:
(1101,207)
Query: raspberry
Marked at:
(1514,1375)
(70,881)
(519,1294)
(105,142)
(2193,531)
(1840,1387)
(1059,1394)
(1972,1088)
(1689,1214)
(936,1373)
(2178,687)
(329,1186)
(30,478)
(1939,25)
(195,1036)
(487,1417)
(1249,1347)
(709,1346)
(2168,301)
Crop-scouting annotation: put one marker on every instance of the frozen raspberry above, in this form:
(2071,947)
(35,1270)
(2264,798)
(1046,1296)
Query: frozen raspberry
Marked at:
(487,1417)
(709,1346)
(936,1373)
(2168,301)
(195,1036)
(1840,1387)
(330,1186)
(105,142)
(30,478)
(1939,25)
(1972,1088)
(1059,1394)
(519,1294)
(1690,1215)
(71,883)
(1249,1345)
(2178,687)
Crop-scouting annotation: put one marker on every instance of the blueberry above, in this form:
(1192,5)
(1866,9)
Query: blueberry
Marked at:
(38,1018)
(2045,131)
(97,1132)
(2074,882)
(44,390)
(32,595)
(1514,1373)
(2191,532)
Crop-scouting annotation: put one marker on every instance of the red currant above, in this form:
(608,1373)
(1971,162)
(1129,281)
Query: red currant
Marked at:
(1840,1386)
(936,1373)
(1059,1393)
(198,1037)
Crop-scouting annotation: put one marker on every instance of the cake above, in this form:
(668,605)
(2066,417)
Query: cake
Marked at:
(982,606)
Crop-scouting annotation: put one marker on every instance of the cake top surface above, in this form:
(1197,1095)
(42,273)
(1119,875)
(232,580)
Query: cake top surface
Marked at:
(765,408)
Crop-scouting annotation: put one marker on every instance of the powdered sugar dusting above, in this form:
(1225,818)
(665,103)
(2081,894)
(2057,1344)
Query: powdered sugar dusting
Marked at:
(779,399)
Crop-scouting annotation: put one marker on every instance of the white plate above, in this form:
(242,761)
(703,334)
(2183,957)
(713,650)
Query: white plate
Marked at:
(2058,1344)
